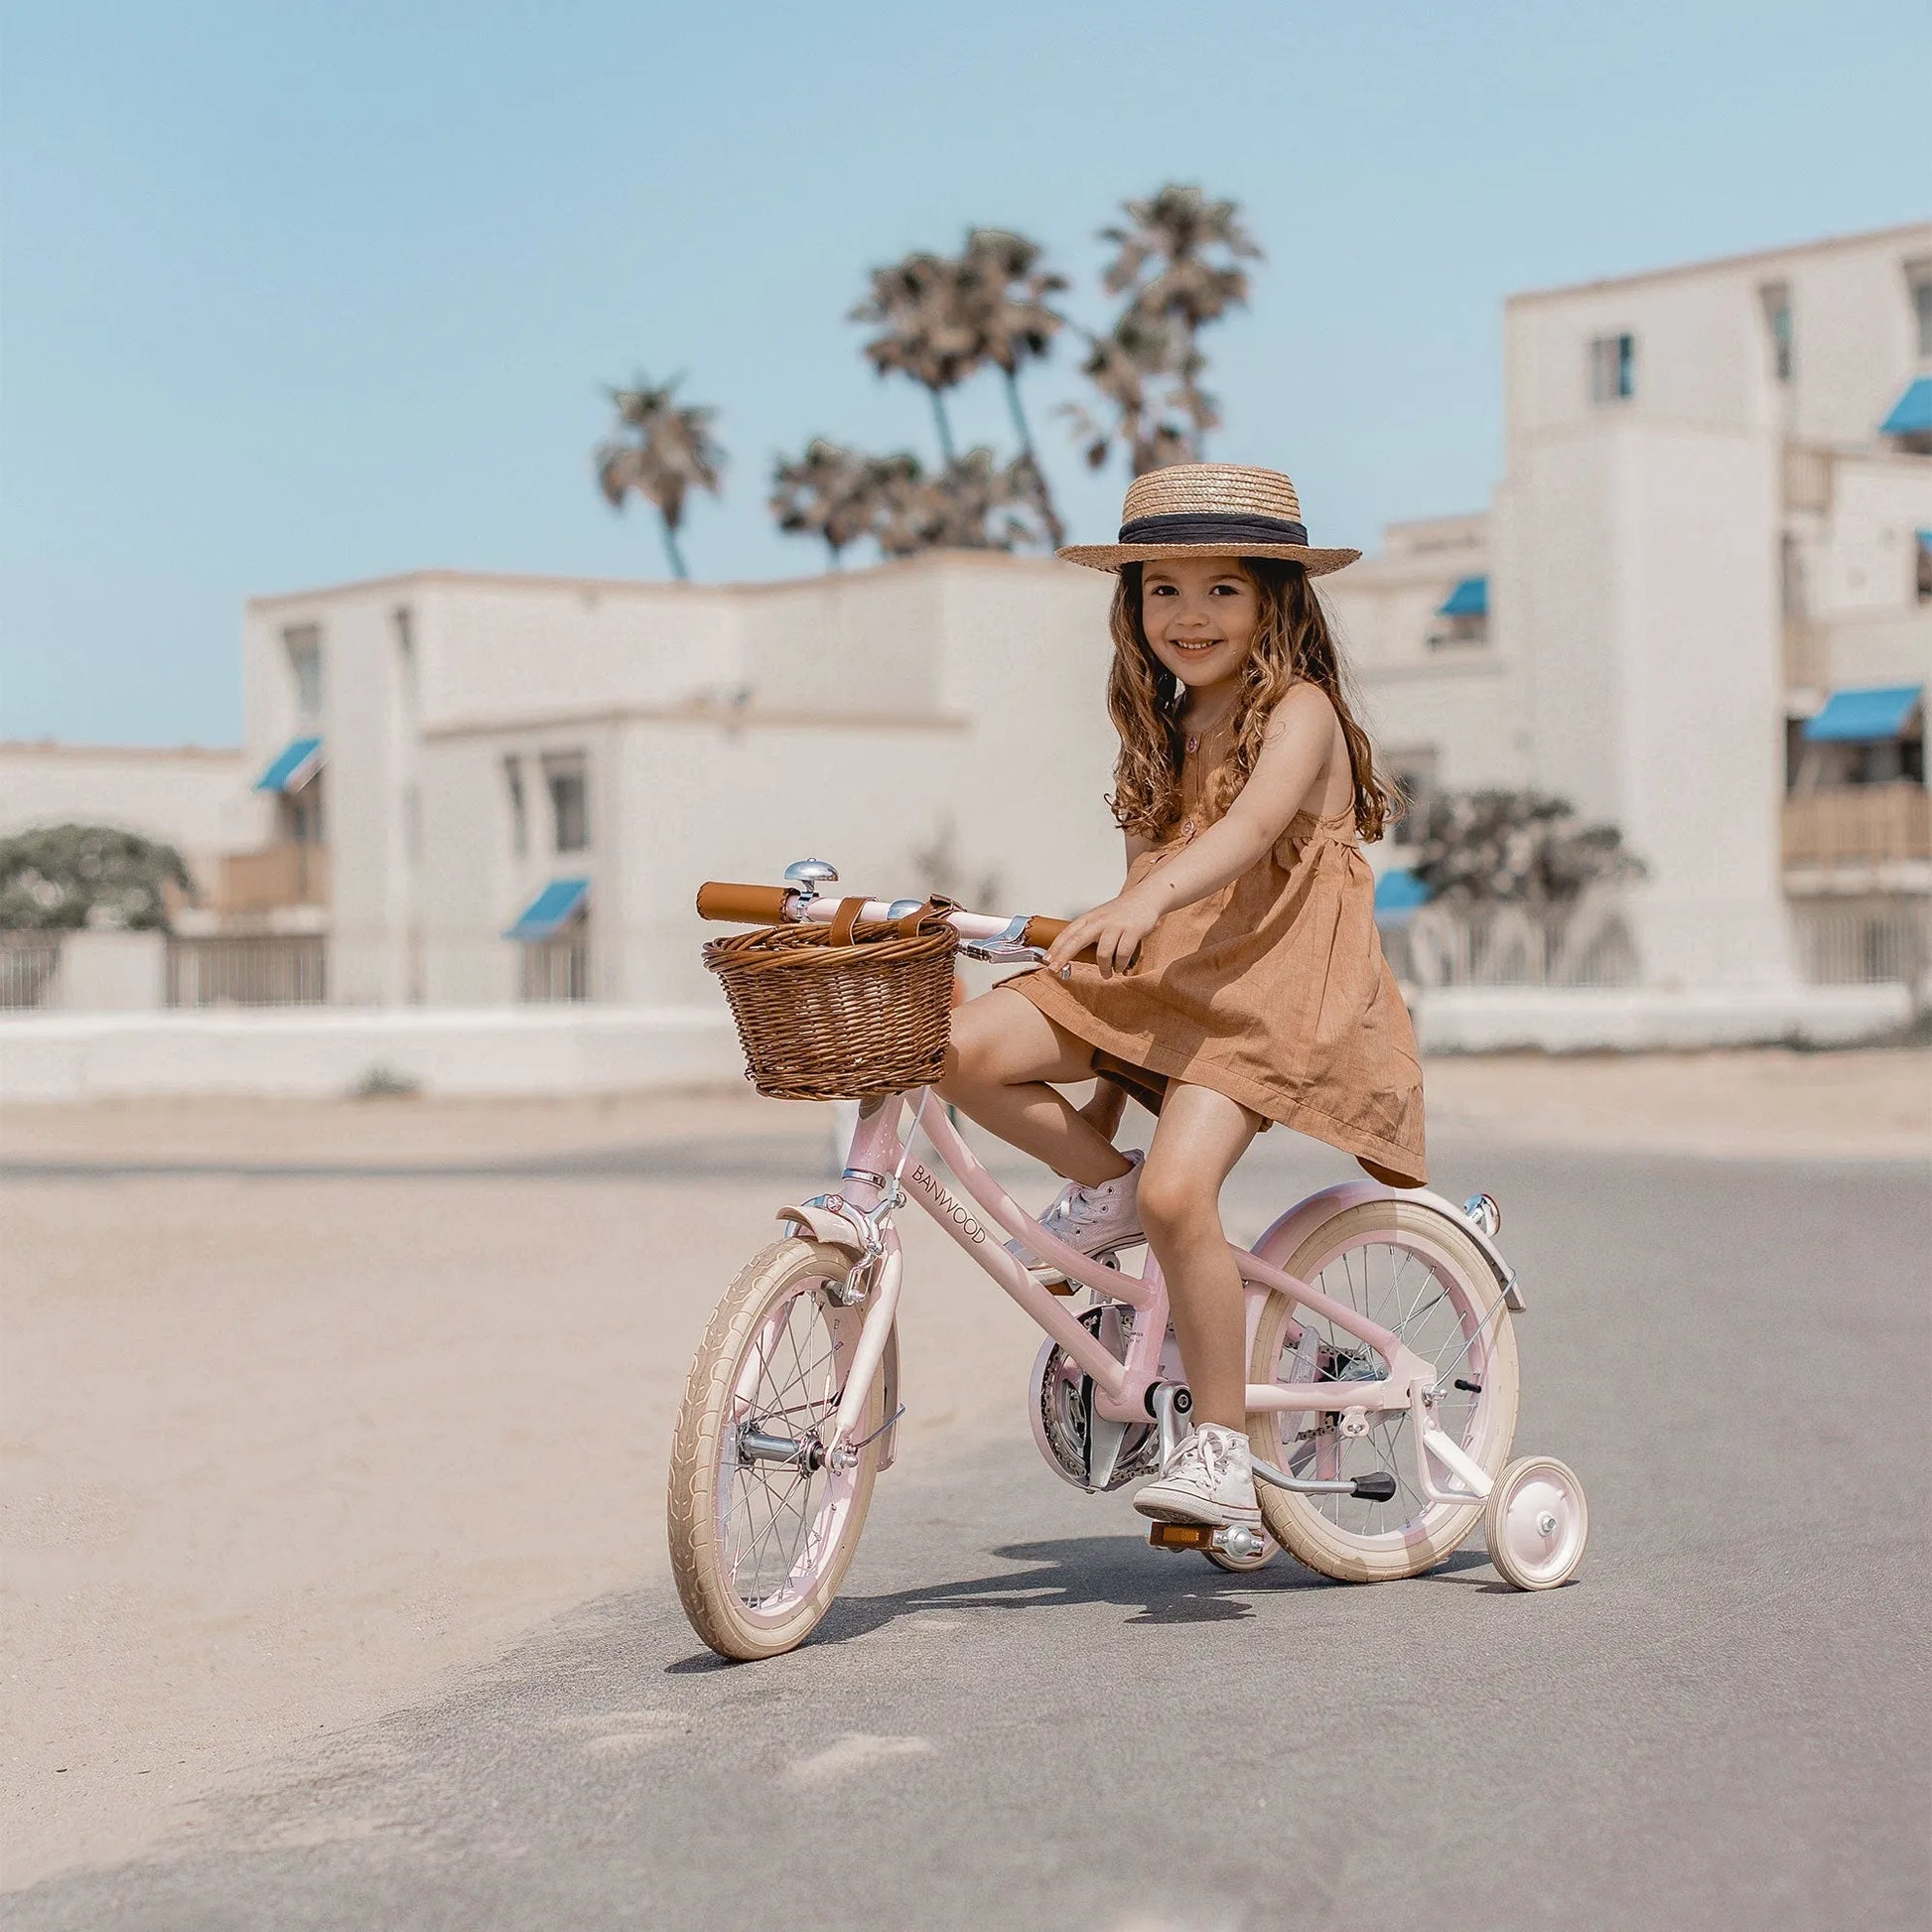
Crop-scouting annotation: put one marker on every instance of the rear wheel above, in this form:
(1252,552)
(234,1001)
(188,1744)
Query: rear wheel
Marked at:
(1408,1269)
(760,1547)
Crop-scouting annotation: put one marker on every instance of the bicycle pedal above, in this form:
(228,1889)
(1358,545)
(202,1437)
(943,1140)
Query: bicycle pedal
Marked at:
(1052,1280)
(1179,1536)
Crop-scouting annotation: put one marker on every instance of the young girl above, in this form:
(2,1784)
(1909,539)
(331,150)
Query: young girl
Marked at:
(1236,979)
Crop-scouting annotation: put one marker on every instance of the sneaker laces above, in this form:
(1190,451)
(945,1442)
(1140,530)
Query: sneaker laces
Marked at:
(1214,1455)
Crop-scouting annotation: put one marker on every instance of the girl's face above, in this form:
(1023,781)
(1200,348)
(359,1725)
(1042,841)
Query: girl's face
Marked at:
(1200,615)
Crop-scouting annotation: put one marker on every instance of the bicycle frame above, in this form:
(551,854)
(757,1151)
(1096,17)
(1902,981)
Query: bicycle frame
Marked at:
(881,1174)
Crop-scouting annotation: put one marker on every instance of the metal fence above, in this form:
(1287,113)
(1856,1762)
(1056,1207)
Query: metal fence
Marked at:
(28,963)
(1864,942)
(556,969)
(1585,944)
(251,970)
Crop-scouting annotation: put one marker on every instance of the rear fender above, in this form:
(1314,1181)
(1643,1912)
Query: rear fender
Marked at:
(1293,1228)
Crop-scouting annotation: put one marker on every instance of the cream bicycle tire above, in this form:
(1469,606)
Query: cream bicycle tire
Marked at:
(712,1502)
(1315,1530)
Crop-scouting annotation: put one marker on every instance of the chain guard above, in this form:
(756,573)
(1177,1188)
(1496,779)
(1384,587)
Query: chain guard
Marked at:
(1061,1396)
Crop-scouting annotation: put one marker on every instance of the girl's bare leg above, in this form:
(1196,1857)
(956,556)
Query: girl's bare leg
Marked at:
(1201,1134)
(1003,1055)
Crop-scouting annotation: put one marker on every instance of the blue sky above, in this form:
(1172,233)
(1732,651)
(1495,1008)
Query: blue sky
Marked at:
(295,294)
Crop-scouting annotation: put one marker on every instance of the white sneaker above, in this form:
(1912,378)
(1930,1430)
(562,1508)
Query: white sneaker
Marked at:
(1209,1479)
(1091,1219)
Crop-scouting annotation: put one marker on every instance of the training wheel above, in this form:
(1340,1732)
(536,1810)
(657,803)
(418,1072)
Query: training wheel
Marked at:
(1537,1523)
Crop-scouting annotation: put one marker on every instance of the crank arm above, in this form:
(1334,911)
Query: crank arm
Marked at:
(1376,1488)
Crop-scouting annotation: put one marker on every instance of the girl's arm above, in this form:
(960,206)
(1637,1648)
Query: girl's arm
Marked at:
(1300,740)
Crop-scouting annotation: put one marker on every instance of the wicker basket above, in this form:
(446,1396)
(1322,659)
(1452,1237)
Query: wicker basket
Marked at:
(841,1012)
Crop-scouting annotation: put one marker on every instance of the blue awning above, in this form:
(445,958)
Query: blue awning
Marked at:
(1469,599)
(1865,717)
(1912,414)
(553,909)
(294,766)
(1398,893)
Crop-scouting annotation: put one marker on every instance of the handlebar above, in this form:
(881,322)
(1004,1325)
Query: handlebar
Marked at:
(986,933)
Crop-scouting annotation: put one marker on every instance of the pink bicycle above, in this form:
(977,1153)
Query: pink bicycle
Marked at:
(1382,1367)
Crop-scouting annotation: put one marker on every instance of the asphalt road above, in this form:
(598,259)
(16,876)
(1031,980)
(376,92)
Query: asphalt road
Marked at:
(1019,1715)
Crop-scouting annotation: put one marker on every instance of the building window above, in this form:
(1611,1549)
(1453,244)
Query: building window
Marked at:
(1613,368)
(1414,772)
(303,643)
(1777,297)
(1920,276)
(569,813)
(519,807)
(405,622)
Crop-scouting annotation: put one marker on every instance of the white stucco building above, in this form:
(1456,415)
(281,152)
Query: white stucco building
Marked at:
(568,759)
(1700,606)
(1716,512)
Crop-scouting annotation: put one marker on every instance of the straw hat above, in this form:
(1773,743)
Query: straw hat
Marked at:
(1218,509)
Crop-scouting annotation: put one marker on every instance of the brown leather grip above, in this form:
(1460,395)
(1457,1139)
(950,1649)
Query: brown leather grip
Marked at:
(1042,932)
(742,904)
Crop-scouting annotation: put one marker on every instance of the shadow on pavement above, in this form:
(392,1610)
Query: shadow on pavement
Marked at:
(1086,1570)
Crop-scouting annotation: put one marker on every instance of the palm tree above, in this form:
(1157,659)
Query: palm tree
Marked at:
(978,504)
(1178,261)
(1193,246)
(1008,291)
(662,451)
(1130,366)
(926,332)
(828,494)
(899,502)
(974,504)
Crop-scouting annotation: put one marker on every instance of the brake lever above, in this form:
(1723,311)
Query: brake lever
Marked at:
(1003,951)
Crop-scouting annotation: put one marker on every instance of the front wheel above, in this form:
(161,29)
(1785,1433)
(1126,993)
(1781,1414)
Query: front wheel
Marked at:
(760,1547)
(1408,1269)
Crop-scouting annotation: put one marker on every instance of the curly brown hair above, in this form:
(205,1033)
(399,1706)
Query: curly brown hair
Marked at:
(1292,645)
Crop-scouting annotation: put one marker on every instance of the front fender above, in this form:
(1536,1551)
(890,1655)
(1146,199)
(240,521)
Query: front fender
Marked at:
(828,1225)
(825,1224)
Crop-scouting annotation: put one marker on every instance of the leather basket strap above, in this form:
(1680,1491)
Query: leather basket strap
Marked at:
(845,918)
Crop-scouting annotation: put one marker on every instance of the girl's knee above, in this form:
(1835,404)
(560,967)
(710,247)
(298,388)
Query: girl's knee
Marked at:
(1175,1202)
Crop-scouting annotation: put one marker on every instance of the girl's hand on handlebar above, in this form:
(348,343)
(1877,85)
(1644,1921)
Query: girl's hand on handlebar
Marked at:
(1114,931)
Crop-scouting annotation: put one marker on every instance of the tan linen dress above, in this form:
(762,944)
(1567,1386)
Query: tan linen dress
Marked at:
(1272,990)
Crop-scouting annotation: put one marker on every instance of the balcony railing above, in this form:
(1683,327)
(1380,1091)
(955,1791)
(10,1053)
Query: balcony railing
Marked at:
(1589,943)
(289,873)
(1863,941)
(248,970)
(555,969)
(1857,825)
(28,963)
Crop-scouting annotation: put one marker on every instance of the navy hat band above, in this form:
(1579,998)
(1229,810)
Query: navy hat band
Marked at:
(1212,527)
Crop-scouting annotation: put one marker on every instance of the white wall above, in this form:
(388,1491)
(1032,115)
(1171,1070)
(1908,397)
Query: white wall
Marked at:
(1703,352)
(194,799)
